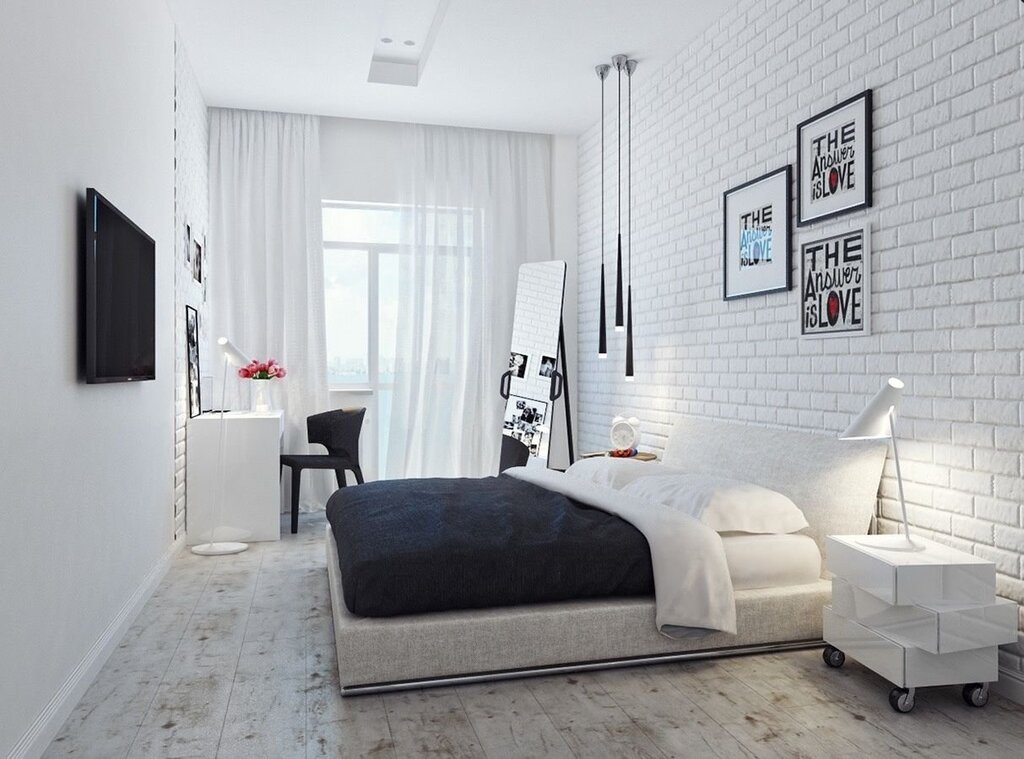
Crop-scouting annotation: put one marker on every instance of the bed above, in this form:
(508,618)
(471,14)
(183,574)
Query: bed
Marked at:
(833,482)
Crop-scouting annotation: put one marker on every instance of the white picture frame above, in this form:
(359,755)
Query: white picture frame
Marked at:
(835,285)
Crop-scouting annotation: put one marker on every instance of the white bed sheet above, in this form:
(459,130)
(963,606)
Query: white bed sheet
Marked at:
(771,561)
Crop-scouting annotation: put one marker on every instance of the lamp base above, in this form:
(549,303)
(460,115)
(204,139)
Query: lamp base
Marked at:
(218,549)
(891,543)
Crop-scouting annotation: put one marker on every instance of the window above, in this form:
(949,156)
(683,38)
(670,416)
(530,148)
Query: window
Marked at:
(362,251)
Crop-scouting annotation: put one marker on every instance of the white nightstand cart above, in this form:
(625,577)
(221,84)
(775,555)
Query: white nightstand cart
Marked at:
(917,618)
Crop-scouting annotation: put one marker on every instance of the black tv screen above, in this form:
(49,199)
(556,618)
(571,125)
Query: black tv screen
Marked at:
(120,296)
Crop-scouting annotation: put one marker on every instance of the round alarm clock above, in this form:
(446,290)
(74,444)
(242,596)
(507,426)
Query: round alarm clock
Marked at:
(625,433)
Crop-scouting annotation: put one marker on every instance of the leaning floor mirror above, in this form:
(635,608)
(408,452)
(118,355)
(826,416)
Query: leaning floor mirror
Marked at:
(535,378)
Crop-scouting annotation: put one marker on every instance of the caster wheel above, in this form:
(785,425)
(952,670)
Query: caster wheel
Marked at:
(901,700)
(833,656)
(975,694)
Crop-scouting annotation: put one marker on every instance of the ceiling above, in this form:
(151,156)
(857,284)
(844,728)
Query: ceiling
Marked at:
(525,65)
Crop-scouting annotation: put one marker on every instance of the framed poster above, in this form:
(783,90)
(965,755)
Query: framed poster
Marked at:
(833,161)
(192,360)
(525,420)
(756,236)
(835,285)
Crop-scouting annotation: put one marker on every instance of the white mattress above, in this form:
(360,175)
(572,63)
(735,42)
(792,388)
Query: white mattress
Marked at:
(771,561)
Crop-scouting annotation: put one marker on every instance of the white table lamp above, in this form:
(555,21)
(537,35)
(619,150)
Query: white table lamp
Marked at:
(877,422)
(232,357)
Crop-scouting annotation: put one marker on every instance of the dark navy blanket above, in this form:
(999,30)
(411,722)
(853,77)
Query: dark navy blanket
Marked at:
(427,545)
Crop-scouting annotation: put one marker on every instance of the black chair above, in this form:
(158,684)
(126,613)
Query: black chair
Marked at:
(513,453)
(338,432)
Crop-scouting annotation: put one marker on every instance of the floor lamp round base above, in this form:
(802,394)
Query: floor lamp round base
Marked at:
(218,549)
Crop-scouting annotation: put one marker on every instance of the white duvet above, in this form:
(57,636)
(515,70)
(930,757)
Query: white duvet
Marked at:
(692,586)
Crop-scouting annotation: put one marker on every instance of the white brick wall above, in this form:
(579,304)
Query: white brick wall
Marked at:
(191,206)
(947,238)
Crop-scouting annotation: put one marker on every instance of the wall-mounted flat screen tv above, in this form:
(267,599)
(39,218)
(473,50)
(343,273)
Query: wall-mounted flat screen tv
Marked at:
(120,296)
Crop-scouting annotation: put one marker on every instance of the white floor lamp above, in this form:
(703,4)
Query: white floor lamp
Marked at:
(232,357)
(877,422)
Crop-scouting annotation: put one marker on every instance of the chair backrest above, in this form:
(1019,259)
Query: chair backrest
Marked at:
(513,453)
(337,431)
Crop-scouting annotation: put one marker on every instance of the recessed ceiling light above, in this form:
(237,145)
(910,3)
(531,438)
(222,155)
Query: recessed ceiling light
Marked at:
(386,40)
(409,43)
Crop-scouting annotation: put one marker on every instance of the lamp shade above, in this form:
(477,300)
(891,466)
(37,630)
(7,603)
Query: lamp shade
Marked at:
(873,422)
(231,352)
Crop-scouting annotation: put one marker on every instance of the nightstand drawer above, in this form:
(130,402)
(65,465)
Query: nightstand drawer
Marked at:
(937,575)
(873,650)
(936,628)
(908,667)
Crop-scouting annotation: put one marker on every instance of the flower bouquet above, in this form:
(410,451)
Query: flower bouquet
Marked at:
(262,370)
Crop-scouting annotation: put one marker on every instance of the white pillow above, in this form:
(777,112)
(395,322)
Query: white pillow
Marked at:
(616,473)
(723,504)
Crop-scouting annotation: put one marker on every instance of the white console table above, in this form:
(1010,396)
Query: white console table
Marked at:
(917,618)
(251,472)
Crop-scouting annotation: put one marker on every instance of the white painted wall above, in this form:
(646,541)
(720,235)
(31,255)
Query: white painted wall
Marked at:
(946,230)
(86,474)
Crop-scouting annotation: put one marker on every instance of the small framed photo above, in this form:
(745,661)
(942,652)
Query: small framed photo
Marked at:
(195,405)
(517,364)
(756,236)
(197,261)
(547,366)
(833,160)
(188,246)
(835,285)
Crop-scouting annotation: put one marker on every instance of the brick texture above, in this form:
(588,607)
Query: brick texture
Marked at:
(191,207)
(947,235)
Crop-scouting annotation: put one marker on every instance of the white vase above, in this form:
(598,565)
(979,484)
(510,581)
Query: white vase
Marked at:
(262,395)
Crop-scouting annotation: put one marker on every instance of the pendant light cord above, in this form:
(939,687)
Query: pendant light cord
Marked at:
(602,171)
(629,178)
(619,156)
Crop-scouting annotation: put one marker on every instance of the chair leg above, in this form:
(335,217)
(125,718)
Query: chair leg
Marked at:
(359,474)
(296,484)
(340,476)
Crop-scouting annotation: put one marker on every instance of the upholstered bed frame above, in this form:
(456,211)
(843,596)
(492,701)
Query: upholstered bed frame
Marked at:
(835,483)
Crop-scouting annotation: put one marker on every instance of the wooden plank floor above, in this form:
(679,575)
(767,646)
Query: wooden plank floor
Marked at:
(233,657)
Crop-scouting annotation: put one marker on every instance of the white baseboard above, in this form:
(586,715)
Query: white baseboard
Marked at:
(45,727)
(1010,685)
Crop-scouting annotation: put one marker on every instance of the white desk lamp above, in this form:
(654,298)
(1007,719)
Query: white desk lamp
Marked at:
(232,357)
(877,422)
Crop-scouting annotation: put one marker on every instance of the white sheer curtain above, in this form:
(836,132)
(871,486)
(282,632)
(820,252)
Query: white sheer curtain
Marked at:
(266,257)
(476,205)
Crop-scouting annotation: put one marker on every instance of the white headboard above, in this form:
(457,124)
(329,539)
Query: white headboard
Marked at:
(833,481)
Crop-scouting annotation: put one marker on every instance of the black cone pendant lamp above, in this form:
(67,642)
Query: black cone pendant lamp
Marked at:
(602,339)
(630,68)
(619,61)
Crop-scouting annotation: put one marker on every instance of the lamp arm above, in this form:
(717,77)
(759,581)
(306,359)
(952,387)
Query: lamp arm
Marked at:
(899,473)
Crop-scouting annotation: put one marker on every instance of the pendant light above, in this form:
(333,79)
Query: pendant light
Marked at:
(630,68)
(602,338)
(619,61)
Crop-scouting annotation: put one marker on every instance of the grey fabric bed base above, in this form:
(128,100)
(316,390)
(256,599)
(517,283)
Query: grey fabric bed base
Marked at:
(428,650)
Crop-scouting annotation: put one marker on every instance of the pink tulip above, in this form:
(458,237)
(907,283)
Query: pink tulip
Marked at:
(244,373)
(281,372)
(271,361)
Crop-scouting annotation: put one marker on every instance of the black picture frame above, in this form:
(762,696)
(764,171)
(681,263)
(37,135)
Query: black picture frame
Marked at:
(195,406)
(777,177)
(859,106)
